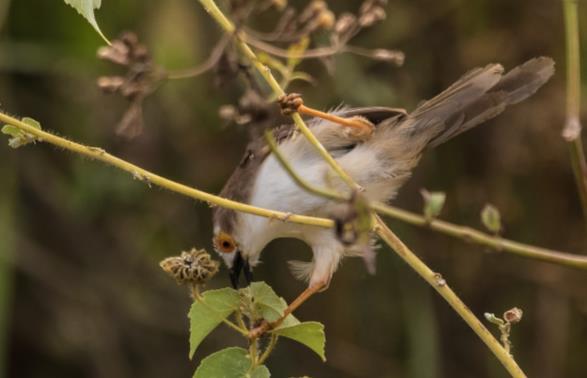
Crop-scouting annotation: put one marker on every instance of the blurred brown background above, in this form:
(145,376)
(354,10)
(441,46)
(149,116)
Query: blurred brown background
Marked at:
(81,293)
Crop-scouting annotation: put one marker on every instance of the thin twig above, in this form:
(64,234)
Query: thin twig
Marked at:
(395,56)
(572,129)
(152,178)
(206,66)
(439,284)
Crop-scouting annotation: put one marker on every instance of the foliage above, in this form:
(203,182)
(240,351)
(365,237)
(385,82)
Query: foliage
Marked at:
(252,305)
(18,137)
(86,9)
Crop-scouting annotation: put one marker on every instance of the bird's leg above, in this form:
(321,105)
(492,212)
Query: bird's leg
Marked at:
(304,296)
(358,126)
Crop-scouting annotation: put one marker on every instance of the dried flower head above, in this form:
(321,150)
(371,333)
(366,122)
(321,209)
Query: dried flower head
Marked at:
(193,267)
(140,80)
(513,315)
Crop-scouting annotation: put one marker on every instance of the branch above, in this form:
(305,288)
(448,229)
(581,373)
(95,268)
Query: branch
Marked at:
(460,232)
(207,65)
(572,129)
(141,174)
(439,284)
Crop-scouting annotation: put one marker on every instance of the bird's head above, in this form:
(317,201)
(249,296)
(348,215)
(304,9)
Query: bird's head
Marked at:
(231,251)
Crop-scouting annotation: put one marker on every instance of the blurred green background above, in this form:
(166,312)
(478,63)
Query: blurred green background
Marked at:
(81,293)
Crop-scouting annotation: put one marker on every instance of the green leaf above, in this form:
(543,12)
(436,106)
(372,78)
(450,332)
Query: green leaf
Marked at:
(433,203)
(207,313)
(269,305)
(20,137)
(260,372)
(31,122)
(311,334)
(230,363)
(491,218)
(86,9)
(13,131)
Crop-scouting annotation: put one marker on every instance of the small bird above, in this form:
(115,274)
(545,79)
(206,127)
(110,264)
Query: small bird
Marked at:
(379,153)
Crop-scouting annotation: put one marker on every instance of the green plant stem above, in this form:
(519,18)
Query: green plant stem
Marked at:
(269,349)
(572,129)
(460,232)
(254,352)
(151,178)
(439,284)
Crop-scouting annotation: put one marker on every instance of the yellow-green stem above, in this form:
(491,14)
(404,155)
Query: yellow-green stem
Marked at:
(572,129)
(151,178)
(439,284)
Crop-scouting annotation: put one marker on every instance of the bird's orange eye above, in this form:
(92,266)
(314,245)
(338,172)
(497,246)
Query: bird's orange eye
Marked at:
(224,243)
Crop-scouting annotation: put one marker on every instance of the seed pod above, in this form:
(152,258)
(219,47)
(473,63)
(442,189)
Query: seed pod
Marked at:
(193,267)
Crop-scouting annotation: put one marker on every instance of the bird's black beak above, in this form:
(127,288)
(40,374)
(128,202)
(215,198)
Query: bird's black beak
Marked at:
(239,264)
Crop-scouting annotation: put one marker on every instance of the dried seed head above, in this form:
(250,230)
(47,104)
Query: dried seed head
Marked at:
(117,53)
(344,23)
(110,84)
(513,315)
(326,20)
(392,56)
(371,11)
(193,267)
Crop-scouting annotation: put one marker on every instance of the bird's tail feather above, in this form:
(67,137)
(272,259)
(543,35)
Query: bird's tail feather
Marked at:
(475,98)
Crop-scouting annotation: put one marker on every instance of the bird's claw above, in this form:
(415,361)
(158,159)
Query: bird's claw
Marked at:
(361,128)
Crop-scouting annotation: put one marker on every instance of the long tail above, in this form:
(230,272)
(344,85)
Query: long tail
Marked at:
(476,97)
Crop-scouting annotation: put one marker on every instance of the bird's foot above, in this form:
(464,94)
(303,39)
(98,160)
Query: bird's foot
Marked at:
(358,128)
(361,128)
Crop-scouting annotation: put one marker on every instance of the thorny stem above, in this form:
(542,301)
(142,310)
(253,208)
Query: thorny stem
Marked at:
(439,284)
(460,232)
(572,129)
(381,229)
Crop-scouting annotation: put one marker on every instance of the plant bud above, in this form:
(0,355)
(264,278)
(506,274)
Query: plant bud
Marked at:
(491,218)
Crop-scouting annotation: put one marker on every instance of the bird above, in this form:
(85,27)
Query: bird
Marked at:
(379,153)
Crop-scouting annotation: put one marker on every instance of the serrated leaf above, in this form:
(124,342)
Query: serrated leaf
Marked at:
(311,334)
(86,9)
(207,313)
(230,363)
(491,218)
(269,305)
